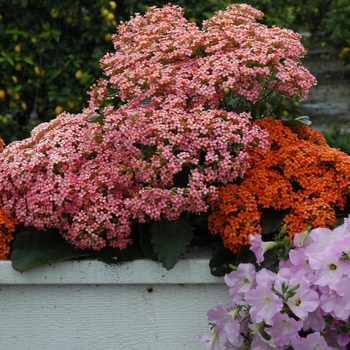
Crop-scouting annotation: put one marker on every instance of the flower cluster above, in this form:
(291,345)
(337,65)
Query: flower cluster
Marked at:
(162,57)
(299,174)
(8,226)
(162,139)
(305,305)
(84,178)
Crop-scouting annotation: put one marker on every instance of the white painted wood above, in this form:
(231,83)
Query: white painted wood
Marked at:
(90,305)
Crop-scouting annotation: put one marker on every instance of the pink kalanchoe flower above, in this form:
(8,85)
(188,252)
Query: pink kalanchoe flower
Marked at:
(86,179)
(161,54)
(91,180)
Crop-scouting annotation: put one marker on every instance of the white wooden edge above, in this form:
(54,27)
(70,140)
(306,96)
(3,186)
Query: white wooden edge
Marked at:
(192,269)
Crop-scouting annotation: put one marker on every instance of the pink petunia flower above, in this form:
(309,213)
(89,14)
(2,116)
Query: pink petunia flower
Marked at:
(211,340)
(304,301)
(259,247)
(313,341)
(283,329)
(328,267)
(240,281)
(226,324)
(264,303)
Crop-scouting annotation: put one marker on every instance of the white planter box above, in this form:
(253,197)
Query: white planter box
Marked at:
(90,305)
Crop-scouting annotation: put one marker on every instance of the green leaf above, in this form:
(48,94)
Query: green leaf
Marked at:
(221,260)
(28,60)
(181,178)
(97,119)
(271,219)
(146,101)
(288,120)
(194,219)
(145,242)
(113,93)
(112,255)
(245,256)
(33,248)
(10,60)
(170,240)
(46,26)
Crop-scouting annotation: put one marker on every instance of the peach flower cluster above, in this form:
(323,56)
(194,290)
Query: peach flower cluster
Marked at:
(162,57)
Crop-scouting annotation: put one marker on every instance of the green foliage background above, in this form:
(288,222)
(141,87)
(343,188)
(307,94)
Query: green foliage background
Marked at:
(50,49)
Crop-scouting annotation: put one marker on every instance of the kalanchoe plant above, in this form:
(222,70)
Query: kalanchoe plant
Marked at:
(173,119)
(298,181)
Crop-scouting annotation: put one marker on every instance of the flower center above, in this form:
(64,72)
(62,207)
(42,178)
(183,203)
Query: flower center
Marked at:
(332,266)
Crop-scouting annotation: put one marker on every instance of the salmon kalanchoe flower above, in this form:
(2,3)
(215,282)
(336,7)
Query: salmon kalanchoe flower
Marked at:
(159,134)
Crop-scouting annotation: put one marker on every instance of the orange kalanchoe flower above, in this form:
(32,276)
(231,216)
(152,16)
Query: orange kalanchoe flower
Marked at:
(7,227)
(299,173)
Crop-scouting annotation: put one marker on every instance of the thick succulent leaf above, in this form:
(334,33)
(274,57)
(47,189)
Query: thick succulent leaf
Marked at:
(221,260)
(110,255)
(170,240)
(97,119)
(133,251)
(146,243)
(288,120)
(271,220)
(33,248)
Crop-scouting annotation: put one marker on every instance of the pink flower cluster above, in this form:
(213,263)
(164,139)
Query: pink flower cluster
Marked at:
(170,143)
(305,305)
(163,57)
(86,179)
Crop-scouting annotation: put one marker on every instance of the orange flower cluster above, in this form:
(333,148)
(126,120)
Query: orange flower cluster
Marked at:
(7,227)
(299,173)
